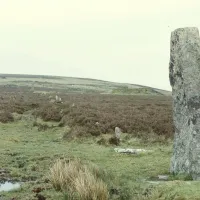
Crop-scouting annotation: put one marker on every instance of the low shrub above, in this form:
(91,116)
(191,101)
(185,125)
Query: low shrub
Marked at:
(114,140)
(102,141)
(6,117)
(98,114)
(49,113)
(75,132)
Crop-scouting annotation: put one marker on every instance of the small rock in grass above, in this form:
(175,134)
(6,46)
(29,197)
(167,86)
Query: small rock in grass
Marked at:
(163,177)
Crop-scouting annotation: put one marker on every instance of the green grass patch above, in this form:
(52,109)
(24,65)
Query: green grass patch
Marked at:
(28,155)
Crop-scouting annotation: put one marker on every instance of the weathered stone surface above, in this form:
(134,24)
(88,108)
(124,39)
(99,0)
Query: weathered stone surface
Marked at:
(118,132)
(184,77)
(163,177)
(131,151)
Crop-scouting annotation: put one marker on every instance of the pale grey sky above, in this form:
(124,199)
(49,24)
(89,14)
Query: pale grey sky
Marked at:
(115,40)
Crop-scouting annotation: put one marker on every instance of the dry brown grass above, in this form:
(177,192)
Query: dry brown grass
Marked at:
(78,179)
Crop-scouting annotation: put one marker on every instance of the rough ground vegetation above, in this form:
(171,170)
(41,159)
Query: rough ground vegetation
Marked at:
(32,142)
(136,115)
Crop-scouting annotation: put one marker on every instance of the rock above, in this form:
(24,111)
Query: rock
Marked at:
(117,132)
(58,99)
(184,77)
(163,177)
(131,151)
(155,182)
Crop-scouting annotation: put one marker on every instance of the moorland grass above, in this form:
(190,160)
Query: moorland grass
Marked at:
(30,147)
(29,155)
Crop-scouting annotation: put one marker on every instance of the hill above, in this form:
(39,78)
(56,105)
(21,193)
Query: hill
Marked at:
(40,83)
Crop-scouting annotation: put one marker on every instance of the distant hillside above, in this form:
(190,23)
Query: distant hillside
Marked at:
(41,83)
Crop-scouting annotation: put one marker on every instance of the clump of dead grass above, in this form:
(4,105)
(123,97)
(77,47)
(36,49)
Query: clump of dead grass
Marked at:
(78,179)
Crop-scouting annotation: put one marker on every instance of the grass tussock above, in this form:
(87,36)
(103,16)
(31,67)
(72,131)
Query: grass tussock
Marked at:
(78,179)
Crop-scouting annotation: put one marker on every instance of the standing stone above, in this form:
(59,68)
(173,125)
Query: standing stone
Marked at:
(118,132)
(184,77)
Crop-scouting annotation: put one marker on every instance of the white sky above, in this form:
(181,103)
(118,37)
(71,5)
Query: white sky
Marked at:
(116,40)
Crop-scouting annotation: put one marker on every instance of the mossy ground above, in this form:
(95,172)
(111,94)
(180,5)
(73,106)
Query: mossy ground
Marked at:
(28,154)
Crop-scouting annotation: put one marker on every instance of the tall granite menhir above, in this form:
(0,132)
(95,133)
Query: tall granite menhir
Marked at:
(184,77)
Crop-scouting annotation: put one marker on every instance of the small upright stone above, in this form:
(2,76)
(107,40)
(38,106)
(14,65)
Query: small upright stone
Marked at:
(184,74)
(117,132)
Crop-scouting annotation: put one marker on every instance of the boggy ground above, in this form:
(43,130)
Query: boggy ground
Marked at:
(35,136)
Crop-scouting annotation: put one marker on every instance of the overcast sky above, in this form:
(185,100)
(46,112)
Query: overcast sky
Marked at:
(116,40)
